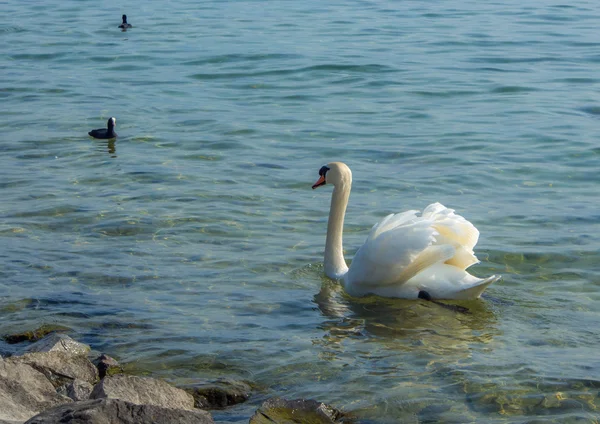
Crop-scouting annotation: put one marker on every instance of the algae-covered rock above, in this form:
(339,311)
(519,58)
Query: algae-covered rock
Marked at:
(301,411)
(220,394)
(35,335)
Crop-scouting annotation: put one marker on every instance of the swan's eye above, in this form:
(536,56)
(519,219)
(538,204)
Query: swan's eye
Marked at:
(323,171)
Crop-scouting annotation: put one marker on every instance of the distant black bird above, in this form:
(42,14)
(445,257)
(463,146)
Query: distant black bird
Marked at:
(105,133)
(125,25)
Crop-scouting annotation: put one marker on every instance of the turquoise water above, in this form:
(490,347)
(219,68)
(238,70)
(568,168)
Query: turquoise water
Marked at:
(191,248)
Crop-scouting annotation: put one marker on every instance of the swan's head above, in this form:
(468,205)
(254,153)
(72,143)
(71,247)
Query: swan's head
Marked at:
(336,173)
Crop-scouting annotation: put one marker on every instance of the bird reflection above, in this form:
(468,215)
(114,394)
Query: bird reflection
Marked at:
(404,324)
(109,146)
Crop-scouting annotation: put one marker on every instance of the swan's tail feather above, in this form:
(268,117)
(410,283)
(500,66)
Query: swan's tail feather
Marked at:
(425,259)
(475,291)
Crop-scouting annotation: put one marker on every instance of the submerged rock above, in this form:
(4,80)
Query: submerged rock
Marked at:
(220,394)
(301,411)
(25,392)
(117,411)
(32,336)
(141,391)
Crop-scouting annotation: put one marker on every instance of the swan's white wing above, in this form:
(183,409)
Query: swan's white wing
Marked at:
(455,230)
(424,260)
(397,248)
(404,246)
(451,225)
(405,253)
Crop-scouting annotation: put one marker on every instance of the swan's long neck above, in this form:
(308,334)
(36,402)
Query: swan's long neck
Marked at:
(335,264)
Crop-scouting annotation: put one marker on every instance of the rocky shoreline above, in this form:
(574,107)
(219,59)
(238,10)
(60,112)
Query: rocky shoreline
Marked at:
(54,380)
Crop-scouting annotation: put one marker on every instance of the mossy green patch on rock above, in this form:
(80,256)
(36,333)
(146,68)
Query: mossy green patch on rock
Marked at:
(35,335)
(220,394)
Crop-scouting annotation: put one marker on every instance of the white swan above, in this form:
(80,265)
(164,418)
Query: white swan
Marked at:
(404,254)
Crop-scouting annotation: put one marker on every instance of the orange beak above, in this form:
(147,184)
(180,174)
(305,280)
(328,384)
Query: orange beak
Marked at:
(320,182)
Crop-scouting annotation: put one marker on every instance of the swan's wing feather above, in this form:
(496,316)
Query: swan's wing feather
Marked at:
(392,245)
(428,257)
(402,245)
(391,221)
(398,238)
(475,290)
(455,230)
(451,225)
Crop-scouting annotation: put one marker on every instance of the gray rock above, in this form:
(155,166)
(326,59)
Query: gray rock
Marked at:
(142,391)
(24,392)
(79,390)
(61,343)
(116,411)
(282,411)
(61,390)
(220,394)
(11,422)
(58,366)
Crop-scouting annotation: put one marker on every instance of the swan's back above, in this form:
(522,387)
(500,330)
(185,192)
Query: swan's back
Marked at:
(391,246)
(404,246)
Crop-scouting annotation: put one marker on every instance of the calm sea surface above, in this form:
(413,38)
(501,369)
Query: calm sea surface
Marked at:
(191,248)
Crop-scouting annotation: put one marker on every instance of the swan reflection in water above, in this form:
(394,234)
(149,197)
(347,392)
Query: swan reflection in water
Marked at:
(405,325)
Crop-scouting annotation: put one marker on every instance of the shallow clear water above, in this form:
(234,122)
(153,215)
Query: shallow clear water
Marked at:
(191,248)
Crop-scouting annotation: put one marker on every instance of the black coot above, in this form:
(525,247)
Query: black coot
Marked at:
(125,25)
(105,133)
